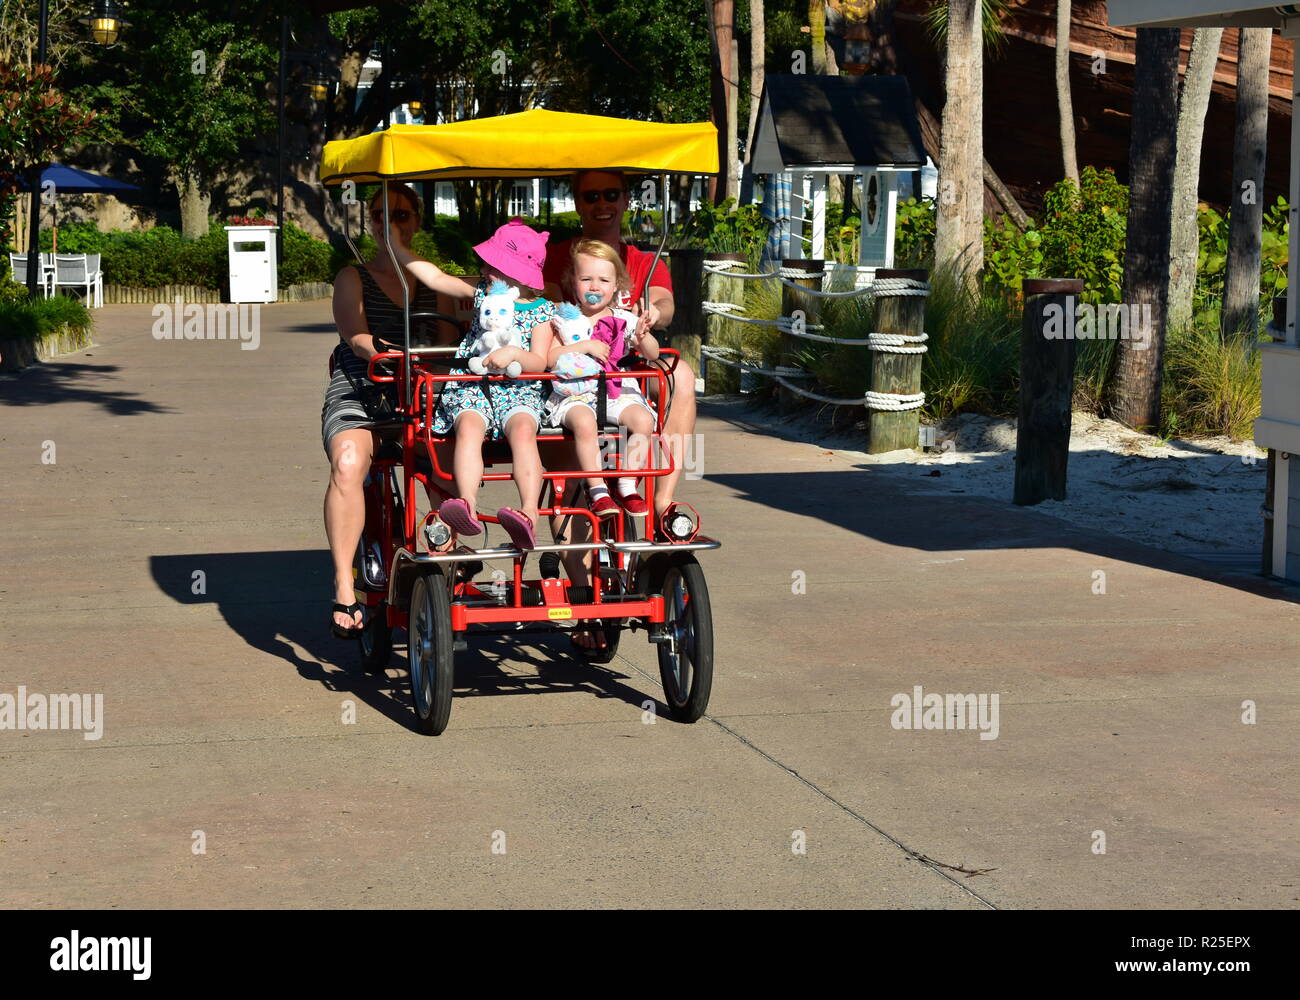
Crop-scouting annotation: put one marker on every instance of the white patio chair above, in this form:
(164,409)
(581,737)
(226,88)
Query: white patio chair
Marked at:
(18,262)
(70,271)
(97,278)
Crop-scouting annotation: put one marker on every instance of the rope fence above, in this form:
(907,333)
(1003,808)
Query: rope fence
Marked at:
(876,342)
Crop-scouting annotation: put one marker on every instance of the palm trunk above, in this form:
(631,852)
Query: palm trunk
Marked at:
(959,222)
(1153,139)
(1064,102)
(817,31)
(732,164)
(1187,172)
(757,58)
(1246,219)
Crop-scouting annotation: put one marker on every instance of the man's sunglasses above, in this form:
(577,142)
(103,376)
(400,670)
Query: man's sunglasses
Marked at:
(396,214)
(611,194)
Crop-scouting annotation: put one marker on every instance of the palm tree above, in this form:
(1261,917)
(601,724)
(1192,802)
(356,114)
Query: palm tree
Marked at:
(959,214)
(1064,103)
(1187,171)
(1245,221)
(1153,140)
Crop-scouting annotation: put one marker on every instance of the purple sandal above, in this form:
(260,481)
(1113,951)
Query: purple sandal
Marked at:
(518,527)
(456,515)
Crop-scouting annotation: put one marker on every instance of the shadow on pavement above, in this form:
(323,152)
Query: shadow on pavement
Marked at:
(262,596)
(73,382)
(881,508)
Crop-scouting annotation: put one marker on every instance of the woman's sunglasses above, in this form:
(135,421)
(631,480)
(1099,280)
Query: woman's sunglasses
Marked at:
(611,194)
(396,214)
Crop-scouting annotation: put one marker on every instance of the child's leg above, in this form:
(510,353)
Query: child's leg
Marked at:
(582,421)
(467,465)
(521,432)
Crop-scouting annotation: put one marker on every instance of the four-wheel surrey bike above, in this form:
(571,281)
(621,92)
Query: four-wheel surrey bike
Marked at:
(412,571)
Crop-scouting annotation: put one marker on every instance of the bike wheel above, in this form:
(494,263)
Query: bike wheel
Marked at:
(429,649)
(376,641)
(686,657)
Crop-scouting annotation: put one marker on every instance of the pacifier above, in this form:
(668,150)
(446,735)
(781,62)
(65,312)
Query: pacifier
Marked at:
(593,298)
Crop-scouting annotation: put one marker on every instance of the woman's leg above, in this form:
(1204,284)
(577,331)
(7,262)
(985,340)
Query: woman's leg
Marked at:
(640,422)
(677,428)
(345,510)
(521,432)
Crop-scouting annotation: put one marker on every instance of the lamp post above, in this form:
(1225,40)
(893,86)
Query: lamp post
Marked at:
(34,175)
(106,23)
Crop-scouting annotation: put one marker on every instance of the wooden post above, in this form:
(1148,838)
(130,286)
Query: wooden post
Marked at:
(1046,389)
(720,332)
(891,430)
(801,308)
(685,331)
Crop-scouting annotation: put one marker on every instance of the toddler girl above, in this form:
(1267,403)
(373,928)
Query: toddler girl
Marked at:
(596,276)
(513,256)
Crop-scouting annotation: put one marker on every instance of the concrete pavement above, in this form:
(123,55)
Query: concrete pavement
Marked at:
(835,591)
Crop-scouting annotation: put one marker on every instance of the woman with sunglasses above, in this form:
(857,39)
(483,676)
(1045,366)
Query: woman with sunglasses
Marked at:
(367,301)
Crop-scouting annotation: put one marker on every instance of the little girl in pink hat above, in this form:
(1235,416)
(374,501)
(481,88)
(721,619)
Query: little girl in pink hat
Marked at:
(513,256)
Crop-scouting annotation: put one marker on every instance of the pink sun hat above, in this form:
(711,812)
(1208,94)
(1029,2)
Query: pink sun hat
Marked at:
(517,251)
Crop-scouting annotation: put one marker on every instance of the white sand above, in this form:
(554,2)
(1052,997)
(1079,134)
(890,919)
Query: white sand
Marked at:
(1199,496)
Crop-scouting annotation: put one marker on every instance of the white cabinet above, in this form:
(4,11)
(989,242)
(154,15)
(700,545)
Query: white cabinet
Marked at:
(252,263)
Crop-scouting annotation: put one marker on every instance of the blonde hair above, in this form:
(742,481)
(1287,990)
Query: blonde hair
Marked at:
(601,251)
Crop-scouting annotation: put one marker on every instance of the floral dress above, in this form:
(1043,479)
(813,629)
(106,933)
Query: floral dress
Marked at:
(503,399)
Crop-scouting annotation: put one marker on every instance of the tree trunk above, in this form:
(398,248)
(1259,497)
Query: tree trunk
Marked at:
(959,222)
(757,58)
(195,205)
(718,95)
(732,164)
(817,30)
(1153,138)
(1064,102)
(1246,218)
(1187,172)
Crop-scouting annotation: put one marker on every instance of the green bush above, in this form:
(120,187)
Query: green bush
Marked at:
(1212,258)
(1084,233)
(914,234)
(159,256)
(723,229)
(38,317)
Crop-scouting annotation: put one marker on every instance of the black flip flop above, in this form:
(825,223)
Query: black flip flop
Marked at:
(351,611)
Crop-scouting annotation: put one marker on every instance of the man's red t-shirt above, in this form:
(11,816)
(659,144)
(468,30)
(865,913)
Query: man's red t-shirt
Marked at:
(636,261)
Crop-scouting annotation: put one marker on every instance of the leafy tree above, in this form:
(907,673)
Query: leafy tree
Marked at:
(195,81)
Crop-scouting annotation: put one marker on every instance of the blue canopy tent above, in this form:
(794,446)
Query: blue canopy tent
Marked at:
(70,180)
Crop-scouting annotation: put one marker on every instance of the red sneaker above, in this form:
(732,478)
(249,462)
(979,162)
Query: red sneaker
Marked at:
(634,504)
(604,507)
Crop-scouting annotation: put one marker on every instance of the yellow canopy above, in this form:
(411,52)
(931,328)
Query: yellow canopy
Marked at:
(535,143)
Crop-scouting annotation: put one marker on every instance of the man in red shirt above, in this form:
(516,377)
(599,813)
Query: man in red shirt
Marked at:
(601,198)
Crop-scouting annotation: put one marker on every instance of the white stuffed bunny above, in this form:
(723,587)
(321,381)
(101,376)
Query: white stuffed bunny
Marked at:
(496,329)
(577,372)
